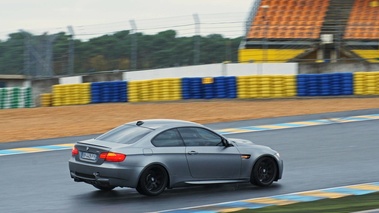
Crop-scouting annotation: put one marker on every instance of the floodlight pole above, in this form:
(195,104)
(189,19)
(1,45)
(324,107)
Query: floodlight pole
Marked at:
(134,45)
(196,58)
(27,54)
(71,51)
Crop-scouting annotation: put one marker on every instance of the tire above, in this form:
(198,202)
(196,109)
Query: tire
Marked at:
(264,172)
(103,187)
(153,181)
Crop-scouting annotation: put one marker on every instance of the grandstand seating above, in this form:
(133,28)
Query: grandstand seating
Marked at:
(363,22)
(288,19)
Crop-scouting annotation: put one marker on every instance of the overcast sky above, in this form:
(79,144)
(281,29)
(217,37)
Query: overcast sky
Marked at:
(39,16)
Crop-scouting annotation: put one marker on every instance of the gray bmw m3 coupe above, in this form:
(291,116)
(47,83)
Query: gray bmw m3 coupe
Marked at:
(152,155)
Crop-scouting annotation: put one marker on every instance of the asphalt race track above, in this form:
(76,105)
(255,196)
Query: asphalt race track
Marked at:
(315,157)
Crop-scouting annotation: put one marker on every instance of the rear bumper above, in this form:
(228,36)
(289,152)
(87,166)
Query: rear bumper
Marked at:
(112,174)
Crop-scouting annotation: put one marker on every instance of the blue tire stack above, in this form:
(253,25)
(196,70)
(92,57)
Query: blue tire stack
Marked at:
(326,84)
(302,86)
(336,84)
(231,87)
(347,83)
(196,88)
(96,92)
(313,85)
(186,88)
(122,91)
(106,92)
(208,91)
(220,87)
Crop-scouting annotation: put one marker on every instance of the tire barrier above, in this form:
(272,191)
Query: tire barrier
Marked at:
(71,94)
(333,84)
(106,92)
(366,83)
(46,100)
(172,89)
(15,97)
(209,87)
(166,89)
(266,86)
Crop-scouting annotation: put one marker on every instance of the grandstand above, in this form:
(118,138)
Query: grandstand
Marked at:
(311,31)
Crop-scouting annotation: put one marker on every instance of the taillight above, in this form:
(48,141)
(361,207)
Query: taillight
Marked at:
(74,151)
(112,157)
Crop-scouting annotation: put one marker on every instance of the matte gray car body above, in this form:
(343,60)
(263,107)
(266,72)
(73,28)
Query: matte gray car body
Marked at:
(161,153)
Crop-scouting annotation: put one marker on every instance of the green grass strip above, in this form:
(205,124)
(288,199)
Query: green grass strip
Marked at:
(338,205)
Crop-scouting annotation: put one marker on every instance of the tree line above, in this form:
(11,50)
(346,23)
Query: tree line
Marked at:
(116,51)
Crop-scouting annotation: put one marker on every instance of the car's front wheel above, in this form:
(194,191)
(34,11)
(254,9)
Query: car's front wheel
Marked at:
(153,181)
(264,172)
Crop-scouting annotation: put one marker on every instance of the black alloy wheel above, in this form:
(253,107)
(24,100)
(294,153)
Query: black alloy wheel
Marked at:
(153,181)
(264,172)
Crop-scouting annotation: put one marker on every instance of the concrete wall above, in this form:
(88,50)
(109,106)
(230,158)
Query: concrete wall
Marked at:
(337,67)
(103,76)
(14,82)
(71,80)
(42,86)
(214,70)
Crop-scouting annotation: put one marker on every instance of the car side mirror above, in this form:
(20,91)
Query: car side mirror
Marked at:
(226,143)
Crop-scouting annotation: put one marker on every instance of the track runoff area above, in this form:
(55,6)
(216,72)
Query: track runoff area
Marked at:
(256,203)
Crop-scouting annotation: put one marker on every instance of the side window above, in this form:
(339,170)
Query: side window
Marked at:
(167,138)
(194,136)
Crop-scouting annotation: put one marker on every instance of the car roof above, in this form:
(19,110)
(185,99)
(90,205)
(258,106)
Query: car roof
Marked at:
(163,123)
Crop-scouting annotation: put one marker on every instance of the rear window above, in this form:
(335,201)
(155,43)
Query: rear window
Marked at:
(126,134)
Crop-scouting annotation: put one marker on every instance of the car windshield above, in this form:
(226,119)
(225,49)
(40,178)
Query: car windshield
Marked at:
(126,134)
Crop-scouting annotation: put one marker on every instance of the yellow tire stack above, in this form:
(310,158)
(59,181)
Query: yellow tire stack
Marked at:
(166,89)
(155,90)
(145,90)
(164,93)
(359,83)
(289,83)
(255,87)
(266,86)
(58,95)
(372,79)
(175,89)
(46,99)
(133,91)
(84,93)
(278,86)
(243,86)
(71,94)
(366,83)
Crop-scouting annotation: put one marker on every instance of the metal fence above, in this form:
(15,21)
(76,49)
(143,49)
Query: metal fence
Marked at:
(41,53)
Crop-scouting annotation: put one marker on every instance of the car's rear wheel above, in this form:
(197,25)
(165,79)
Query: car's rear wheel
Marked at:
(103,187)
(153,181)
(264,172)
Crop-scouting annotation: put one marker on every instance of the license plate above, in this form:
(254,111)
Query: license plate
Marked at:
(89,156)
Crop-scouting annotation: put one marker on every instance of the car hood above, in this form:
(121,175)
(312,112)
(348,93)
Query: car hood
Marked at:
(241,142)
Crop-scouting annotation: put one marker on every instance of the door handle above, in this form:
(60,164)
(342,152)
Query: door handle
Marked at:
(192,153)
